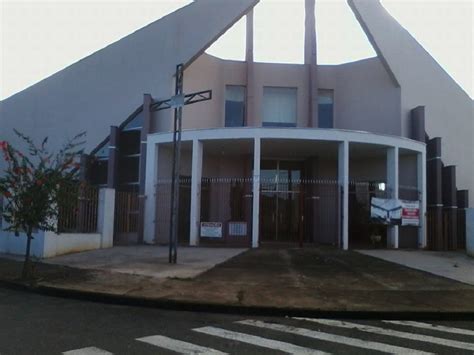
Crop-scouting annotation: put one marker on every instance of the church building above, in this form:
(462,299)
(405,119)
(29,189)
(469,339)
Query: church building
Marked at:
(289,154)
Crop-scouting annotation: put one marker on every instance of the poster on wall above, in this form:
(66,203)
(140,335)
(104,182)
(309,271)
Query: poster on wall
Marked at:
(238,229)
(410,213)
(211,229)
(386,211)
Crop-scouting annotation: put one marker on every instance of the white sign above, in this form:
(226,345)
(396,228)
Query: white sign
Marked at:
(238,229)
(410,213)
(211,229)
(391,211)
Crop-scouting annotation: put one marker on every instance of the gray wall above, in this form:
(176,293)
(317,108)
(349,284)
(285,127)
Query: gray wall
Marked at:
(105,87)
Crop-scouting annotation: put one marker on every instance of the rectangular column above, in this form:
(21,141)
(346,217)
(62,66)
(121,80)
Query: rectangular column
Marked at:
(196,175)
(250,112)
(256,193)
(147,101)
(450,208)
(343,178)
(151,176)
(392,186)
(112,168)
(310,61)
(421,182)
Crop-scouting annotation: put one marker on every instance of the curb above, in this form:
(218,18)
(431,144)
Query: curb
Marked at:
(174,305)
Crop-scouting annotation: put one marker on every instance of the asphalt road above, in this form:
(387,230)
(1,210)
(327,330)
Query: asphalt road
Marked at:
(36,324)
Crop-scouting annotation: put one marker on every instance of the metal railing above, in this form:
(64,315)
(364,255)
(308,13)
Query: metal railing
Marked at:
(79,214)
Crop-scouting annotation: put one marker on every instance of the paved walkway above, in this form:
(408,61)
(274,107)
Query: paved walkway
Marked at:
(453,265)
(148,260)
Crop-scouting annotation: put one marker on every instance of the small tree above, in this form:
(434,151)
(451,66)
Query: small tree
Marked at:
(35,184)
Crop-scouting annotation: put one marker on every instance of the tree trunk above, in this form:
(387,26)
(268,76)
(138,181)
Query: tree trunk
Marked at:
(26,265)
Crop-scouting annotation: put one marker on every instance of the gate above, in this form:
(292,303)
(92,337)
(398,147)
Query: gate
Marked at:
(126,217)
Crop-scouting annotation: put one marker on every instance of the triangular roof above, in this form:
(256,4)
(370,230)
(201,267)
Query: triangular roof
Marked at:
(104,88)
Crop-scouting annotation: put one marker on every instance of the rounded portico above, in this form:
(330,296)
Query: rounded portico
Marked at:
(251,186)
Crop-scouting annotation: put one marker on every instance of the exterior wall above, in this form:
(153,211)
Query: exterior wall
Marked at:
(470,231)
(68,243)
(366,99)
(50,244)
(449,110)
(10,244)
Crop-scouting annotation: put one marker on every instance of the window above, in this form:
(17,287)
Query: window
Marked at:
(234,105)
(326,108)
(279,106)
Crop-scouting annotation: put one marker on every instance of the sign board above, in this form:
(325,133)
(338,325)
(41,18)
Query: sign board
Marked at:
(410,213)
(392,211)
(177,101)
(211,229)
(238,229)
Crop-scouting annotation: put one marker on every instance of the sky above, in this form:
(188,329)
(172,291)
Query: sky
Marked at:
(39,38)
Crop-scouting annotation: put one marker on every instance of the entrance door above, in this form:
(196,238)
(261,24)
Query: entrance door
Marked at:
(280,196)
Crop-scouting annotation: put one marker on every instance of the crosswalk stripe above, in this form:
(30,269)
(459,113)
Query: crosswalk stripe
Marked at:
(87,351)
(178,346)
(440,328)
(394,333)
(334,338)
(258,341)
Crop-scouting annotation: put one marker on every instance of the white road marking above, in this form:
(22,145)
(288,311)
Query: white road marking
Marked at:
(178,346)
(258,341)
(87,351)
(440,328)
(394,333)
(334,338)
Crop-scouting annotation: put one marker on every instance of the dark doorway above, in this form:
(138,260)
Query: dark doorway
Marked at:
(281,207)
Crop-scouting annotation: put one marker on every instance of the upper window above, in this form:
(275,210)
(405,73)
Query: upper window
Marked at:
(234,105)
(326,108)
(279,106)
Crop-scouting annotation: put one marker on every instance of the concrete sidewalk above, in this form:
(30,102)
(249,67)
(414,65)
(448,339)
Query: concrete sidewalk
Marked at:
(277,280)
(148,260)
(452,265)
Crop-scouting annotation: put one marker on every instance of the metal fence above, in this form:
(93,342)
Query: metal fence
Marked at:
(126,212)
(79,213)
(228,200)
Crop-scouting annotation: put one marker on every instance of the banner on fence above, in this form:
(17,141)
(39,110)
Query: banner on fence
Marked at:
(211,229)
(410,213)
(394,211)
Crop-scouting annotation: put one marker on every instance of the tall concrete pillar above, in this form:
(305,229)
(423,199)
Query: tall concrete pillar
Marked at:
(343,178)
(152,163)
(463,204)
(434,167)
(256,193)
(310,61)
(147,101)
(196,176)
(418,131)
(392,185)
(421,185)
(450,208)
(251,115)
(112,167)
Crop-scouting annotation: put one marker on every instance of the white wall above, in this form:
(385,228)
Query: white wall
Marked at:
(50,244)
